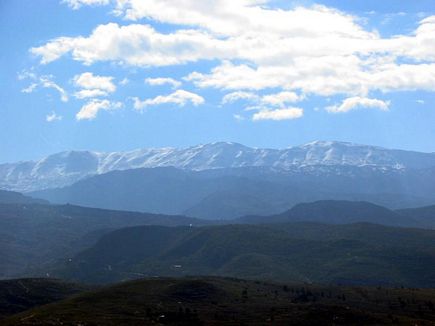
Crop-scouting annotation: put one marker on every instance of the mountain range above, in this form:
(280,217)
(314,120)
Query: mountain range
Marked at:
(34,236)
(235,192)
(318,157)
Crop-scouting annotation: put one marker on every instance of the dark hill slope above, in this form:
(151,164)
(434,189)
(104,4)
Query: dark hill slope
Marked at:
(424,214)
(261,252)
(339,212)
(22,294)
(33,235)
(218,301)
(372,234)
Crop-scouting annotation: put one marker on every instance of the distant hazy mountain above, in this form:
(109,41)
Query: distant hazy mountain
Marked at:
(422,214)
(344,212)
(12,197)
(236,192)
(349,254)
(316,158)
(173,191)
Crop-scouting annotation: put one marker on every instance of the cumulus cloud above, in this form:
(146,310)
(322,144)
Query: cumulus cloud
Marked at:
(357,102)
(270,107)
(282,98)
(89,93)
(163,81)
(90,110)
(304,50)
(53,117)
(235,17)
(137,45)
(76,4)
(239,95)
(179,97)
(277,99)
(93,86)
(88,80)
(279,114)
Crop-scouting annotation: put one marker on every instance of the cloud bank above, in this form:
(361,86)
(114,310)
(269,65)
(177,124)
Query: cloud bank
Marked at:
(289,54)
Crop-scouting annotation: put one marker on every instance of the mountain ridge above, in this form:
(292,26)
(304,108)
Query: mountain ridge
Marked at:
(64,168)
(232,193)
(358,254)
(346,212)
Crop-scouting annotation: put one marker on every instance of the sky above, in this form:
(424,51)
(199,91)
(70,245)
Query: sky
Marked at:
(116,75)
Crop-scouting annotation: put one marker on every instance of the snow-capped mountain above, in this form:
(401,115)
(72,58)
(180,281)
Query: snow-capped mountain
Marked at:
(65,168)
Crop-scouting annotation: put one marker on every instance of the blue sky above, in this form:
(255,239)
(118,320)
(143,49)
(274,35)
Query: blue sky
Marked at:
(92,74)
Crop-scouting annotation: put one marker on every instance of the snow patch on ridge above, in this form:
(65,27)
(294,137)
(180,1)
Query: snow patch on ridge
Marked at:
(65,168)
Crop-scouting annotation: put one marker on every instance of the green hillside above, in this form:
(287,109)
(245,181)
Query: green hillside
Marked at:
(22,294)
(223,301)
(362,254)
(33,236)
(345,212)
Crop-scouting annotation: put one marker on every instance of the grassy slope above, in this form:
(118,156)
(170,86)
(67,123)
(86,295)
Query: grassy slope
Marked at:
(362,254)
(212,301)
(33,235)
(22,294)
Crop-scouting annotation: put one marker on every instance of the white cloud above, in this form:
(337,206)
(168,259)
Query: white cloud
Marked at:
(304,50)
(89,93)
(53,117)
(279,114)
(422,102)
(25,74)
(30,88)
(48,83)
(179,97)
(238,117)
(234,17)
(124,82)
(90,110)
(282,98)
(76,4)
(163,81)
(93,86)
(88,80)
(137,45)
(45,81)
(269,107)
(359,102)
(239,95)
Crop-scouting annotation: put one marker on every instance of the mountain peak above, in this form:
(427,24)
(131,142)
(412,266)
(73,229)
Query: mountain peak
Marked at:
(224,144)
(334,143)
